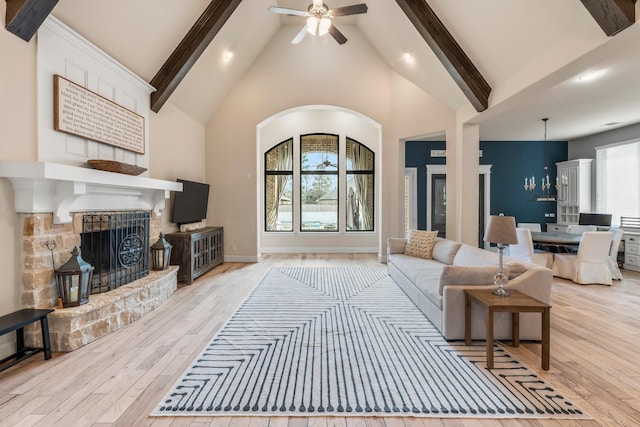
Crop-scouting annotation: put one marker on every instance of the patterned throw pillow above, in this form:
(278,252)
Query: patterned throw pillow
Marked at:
(420,243)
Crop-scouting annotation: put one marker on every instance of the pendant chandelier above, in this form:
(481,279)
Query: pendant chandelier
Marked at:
(544,194)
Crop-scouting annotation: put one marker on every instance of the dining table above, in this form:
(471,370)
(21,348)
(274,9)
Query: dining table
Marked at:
(556,239)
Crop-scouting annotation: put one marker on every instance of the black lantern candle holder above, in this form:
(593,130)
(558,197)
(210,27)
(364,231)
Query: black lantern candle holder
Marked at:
(73,280)
(160,254)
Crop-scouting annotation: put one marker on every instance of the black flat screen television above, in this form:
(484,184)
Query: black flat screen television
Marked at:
(601,220)
(190,205)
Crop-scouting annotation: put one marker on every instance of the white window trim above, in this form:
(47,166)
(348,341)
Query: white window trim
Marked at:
(412,175)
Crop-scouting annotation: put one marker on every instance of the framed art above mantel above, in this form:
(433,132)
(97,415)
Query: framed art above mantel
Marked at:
(81,112)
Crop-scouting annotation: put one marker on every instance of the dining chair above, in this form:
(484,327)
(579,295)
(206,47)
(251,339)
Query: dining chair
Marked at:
(591,264)
(524,250)
(613,253)
(579,229)
(533,226)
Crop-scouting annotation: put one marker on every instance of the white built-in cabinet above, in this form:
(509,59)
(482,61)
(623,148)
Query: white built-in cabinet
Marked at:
(574,190)
(632,251)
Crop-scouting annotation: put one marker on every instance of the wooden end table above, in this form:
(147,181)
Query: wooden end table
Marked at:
(515,303)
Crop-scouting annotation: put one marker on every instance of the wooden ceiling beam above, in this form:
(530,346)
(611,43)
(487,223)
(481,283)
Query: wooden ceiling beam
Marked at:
(448,51)
(189,50)
(24,17)
(613,16)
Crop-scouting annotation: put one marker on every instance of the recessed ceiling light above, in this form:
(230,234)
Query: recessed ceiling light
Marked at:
(590,76)
(408,57)
(228,55)
(611,124)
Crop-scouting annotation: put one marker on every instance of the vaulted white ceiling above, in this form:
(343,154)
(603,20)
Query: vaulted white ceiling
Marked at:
(530,52)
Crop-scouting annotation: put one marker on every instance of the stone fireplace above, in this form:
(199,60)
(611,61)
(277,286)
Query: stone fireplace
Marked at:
(113,214)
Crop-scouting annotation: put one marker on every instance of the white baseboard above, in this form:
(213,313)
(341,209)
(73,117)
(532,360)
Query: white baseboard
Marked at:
(314,250)
(241,258)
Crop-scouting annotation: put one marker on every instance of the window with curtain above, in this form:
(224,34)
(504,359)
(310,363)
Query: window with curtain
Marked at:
(319,182)
(360,174)
(618,180)
(279,187)
(328,196)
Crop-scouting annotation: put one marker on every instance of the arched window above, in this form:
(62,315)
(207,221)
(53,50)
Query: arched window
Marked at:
(279,187)
(328,196)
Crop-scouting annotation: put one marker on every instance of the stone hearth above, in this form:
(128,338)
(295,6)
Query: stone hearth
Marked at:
(73,327)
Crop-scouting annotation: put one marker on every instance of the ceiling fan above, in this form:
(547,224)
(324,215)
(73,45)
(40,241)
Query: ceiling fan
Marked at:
(319,18)
(325,164)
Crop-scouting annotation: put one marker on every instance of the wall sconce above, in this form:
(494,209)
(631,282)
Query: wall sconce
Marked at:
(160,254)
(73,279)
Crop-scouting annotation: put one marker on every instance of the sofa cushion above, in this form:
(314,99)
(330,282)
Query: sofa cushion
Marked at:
(414,267)
(444,250)
(427,283)
(423,273)
(464,275)
(474,257)
(420,243)
(396,245)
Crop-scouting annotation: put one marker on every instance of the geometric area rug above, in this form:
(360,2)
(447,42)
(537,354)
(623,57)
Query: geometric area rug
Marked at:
(348,341)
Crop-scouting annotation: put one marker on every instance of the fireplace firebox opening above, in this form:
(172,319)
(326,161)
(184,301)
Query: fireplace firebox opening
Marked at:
(117,245)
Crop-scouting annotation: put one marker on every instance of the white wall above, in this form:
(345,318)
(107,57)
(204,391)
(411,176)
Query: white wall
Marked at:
(177,150)
(286,76)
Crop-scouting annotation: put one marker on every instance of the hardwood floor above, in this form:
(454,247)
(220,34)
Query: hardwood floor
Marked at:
(118,380)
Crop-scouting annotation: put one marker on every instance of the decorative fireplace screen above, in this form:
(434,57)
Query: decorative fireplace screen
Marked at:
(117,245)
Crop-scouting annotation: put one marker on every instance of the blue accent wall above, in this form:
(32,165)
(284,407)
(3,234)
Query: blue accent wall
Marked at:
(510,161)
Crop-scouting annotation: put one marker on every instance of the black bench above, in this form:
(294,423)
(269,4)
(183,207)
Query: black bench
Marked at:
(16,322)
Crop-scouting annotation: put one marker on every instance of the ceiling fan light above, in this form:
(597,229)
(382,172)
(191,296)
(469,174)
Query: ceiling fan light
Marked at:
(323,26)
(312,25)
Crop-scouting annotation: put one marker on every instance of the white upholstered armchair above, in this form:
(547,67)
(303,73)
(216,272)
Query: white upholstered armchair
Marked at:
(524,250)
(591,264)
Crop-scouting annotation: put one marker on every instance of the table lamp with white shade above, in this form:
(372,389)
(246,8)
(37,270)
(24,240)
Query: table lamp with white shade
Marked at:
(501,230)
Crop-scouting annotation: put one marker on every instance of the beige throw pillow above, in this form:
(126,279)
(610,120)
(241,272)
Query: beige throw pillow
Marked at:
(445,250)
(420,243)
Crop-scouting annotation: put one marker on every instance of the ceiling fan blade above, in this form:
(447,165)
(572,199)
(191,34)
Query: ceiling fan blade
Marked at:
(298,38)
(286,11)
(337,35)
(354,9)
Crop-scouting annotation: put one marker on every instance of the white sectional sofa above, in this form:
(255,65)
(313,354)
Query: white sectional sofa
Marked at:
(436,286)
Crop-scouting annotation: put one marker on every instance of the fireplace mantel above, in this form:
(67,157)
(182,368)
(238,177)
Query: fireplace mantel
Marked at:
(62,189)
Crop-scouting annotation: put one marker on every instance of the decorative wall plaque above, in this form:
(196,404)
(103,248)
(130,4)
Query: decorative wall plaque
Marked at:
(81,112)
